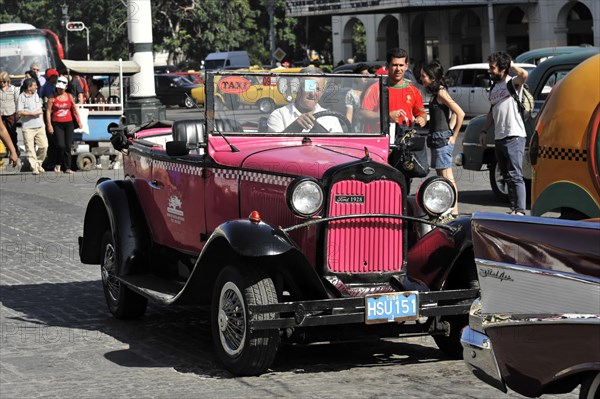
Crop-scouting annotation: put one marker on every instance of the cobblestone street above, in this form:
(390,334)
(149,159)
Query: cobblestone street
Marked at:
(59,340)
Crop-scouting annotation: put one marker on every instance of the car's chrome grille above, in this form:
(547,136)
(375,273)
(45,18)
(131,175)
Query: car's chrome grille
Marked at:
(365,245)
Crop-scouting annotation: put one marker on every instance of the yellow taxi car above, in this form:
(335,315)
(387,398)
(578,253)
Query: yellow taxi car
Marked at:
(265,93)
(565,148)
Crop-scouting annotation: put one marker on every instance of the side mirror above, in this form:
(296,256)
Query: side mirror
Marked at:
(118,137)
(177,148)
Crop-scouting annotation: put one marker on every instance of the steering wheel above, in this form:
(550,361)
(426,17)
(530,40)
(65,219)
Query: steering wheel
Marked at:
(317,127)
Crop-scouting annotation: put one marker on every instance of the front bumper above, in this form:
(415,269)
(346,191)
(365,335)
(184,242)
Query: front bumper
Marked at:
(352,310)
(480,359)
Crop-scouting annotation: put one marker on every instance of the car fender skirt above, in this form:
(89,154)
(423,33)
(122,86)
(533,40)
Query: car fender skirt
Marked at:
(114,205)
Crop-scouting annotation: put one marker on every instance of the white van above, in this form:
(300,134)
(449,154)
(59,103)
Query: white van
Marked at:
(227,60)
(469,86)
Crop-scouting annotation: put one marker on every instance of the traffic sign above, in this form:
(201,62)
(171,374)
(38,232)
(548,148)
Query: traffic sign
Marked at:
(75,26)
(279,54)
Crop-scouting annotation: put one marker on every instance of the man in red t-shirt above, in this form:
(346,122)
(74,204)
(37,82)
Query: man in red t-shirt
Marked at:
(405,101)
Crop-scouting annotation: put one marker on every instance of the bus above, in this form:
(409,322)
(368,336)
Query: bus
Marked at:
(22,44)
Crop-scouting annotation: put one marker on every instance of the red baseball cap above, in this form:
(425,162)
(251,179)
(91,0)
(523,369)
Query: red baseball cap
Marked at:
(51,72)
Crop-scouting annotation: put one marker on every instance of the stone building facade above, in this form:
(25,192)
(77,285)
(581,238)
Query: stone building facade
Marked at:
(454,31)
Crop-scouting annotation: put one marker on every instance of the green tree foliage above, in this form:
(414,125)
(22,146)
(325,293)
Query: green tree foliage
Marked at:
(187,29)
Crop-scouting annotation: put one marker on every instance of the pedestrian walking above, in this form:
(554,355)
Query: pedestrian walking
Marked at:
(35,68)
(13,159)
(510,134)
(61,117)
(443,131)
(29,109)
(8,108)
(46,92)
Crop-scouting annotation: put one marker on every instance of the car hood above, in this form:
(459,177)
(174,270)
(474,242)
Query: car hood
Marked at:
(312,159)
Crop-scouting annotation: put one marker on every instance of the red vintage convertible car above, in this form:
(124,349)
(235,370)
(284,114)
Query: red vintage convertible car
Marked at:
(292,234)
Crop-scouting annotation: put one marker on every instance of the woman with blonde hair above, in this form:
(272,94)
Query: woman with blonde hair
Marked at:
(9,96)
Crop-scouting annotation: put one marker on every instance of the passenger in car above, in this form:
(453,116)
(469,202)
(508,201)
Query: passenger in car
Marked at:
(299,115)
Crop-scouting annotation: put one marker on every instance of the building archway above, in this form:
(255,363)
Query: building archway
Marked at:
(387,36)
(466,36)
(575,20)
(517,37)
(579,25)
(353,41)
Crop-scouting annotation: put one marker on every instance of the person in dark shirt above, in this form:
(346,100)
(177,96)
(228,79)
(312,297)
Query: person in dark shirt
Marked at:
(443,130)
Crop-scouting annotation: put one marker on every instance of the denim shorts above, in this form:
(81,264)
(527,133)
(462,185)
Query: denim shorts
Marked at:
(441,158)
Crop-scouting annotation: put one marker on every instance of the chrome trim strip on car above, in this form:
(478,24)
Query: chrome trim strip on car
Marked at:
(480,359)
(511,289)
(368,216)
(566,275)
(478,145)
(535,220)
(524,320)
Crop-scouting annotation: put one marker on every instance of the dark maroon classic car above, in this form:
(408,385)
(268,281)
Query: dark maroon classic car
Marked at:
(536,326)
(297,234)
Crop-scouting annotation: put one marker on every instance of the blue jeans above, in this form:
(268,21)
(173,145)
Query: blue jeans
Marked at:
(509,155)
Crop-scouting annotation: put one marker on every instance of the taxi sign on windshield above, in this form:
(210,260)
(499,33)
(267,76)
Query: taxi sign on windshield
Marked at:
(234,85)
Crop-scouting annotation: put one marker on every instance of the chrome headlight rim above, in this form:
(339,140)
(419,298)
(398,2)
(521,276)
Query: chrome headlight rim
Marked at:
(424,199)
(294,191)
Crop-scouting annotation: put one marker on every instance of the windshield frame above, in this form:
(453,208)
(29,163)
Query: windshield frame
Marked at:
(336,88)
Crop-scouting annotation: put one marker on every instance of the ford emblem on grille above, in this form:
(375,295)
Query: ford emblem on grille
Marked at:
(350,199)
(368,171)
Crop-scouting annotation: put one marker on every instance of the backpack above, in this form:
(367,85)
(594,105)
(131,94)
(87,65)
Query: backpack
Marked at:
(525,103)
(84,87)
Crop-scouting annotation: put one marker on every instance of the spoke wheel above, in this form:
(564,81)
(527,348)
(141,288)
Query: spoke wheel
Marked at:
(122,302)
(189,102)
(265,105)
(241,350)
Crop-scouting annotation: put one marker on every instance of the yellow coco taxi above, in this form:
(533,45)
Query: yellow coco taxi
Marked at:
(265,92)
(565,149)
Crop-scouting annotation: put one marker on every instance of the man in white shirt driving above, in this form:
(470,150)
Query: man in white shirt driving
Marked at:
(305,106)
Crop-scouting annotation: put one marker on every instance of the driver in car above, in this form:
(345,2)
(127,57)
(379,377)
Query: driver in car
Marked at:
(299,116)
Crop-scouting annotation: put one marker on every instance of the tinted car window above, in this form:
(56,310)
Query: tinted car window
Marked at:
(453,78)
(549,83)
(468,77)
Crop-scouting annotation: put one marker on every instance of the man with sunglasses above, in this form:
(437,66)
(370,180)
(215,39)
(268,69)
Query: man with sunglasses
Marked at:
(298,116)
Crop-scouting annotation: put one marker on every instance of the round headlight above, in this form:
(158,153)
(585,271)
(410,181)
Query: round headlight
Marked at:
(436,195)
(306,198)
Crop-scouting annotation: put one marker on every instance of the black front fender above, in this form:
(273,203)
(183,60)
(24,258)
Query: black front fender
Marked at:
(432,258)
(242,242)
(114,206)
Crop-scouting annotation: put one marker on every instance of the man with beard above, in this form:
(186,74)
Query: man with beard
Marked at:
(509,127)
(301,112)
(405,101)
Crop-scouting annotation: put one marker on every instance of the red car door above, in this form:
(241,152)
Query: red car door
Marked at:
(178,191)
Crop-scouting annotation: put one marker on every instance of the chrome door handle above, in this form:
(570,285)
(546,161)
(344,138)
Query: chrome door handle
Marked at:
(154,184)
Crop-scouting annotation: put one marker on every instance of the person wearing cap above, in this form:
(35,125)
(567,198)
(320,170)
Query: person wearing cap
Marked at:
(46,92)
(47,89)
(61,117)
